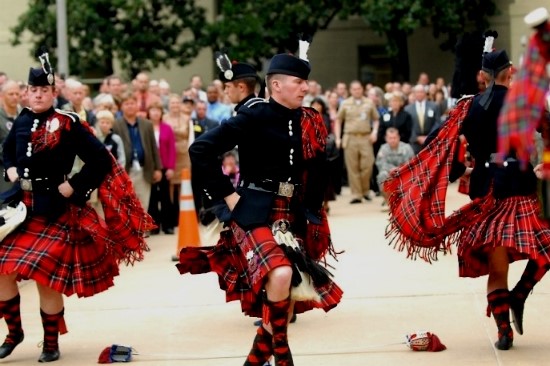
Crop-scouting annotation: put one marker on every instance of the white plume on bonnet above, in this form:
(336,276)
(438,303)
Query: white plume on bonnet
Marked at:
(488,47)
(303,47)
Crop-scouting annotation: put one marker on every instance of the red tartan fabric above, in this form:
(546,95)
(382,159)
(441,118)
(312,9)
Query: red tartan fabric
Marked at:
(79,252)
(523,109)
(317,241)
(314,133)
(514,223)
(61,254)
(42,140)
(417,190)
(242,260)
(127,222)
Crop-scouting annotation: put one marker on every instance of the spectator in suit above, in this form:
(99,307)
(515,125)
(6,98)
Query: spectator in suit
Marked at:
(201,123)
(396,117)
(195,87)
(425,116)
(143,95)
(142,157)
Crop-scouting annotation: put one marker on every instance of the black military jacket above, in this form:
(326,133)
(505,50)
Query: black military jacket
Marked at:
(268,136)
(48,168)
(480,127)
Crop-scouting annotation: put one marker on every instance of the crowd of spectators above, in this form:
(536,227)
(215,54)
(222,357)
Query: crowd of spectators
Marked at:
(137,119)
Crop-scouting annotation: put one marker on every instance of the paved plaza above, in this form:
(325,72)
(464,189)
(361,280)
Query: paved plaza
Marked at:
(175,320)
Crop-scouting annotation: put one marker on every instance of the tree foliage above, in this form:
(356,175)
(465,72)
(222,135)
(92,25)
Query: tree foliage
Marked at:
(448,18)
(255,30)
(141,35)
(399,19)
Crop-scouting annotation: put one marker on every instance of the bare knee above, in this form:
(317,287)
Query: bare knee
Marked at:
(8,286)
(278,283)
(280,277)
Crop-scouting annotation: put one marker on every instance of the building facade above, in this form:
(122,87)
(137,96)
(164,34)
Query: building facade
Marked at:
(347,50)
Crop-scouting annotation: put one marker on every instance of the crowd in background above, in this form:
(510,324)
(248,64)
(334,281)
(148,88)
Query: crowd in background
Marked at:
(175,118)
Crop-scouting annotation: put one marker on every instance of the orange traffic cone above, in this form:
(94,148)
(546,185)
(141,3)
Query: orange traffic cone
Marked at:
(188,230)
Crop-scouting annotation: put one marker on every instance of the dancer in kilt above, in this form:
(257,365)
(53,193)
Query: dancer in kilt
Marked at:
(62,244)
(268,258)
(502,224)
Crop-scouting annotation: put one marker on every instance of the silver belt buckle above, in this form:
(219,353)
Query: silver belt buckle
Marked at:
(26,184)
(286,189)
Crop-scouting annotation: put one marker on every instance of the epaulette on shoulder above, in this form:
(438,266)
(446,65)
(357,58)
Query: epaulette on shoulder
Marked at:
(73,116)
(464,97)
(254,101)
(309,109)
(25,111)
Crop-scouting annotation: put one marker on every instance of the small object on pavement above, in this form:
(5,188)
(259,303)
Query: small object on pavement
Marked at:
(116,353)
(424,341)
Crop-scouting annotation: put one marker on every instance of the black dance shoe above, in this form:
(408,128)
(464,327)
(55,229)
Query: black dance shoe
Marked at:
(7,347)
(504,343)
(49,356)
(516,307)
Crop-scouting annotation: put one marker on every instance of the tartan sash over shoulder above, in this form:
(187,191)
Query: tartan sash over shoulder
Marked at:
(417,190)
(314,133)
(317,242)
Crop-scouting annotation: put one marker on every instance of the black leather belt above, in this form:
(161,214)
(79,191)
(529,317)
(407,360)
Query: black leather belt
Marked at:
(284,189)
(495,159)
(45,184)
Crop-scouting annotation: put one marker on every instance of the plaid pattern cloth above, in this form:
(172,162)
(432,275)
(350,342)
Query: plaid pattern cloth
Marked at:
(314,133)
(243,259)
(79,252)
(523,108)
(514,223)
(127,222)
(70,255)
(417,190)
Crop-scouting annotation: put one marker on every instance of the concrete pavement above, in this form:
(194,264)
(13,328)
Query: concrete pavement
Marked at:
(175,320)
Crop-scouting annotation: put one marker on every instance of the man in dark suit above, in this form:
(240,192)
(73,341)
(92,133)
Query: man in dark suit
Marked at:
(425,116)
(201,123)
(142,157)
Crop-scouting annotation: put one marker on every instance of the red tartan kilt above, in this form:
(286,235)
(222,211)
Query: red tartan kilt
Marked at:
(63,256)
(243,279)
(514,223)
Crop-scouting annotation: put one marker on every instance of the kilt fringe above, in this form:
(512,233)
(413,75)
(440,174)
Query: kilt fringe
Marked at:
(417,191)
(417,249)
